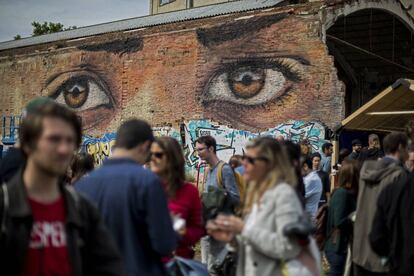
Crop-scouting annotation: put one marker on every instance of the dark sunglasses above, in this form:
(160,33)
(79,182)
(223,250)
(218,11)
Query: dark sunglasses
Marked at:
(252,160)
(157,155)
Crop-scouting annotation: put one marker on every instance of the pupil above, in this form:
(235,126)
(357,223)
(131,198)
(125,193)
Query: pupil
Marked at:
(247,80)
(75,92)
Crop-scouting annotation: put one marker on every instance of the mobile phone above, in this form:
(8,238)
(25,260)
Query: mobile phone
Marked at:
(179,223)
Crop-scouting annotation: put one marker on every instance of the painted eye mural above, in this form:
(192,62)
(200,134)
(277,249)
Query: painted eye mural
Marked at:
(84,92)
(254,81)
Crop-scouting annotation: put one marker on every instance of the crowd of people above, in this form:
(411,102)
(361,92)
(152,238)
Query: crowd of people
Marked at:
(278,209)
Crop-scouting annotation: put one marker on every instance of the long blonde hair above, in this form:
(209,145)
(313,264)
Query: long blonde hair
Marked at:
(280,170)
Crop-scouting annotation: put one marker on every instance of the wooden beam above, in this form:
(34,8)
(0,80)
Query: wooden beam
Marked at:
(382,113)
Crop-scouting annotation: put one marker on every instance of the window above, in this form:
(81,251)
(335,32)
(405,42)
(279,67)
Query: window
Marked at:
(164,2)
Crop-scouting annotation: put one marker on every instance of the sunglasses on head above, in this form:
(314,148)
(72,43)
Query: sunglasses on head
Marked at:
(252,160)
(157,155)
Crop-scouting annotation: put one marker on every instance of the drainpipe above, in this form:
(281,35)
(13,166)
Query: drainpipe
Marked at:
(151,7)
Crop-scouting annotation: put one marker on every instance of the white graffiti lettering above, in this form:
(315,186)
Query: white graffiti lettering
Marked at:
(47,234)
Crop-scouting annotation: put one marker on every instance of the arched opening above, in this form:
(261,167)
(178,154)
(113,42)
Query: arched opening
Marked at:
(372,48)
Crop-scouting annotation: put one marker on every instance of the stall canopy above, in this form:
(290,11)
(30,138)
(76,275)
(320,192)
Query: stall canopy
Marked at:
(389,111)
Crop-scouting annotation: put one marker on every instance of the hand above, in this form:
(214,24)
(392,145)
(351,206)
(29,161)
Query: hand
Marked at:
(182,231)
(179,225)
(229,223)
(217,233)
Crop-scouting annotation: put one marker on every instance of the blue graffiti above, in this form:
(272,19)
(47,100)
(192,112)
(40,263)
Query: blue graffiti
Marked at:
(10,128)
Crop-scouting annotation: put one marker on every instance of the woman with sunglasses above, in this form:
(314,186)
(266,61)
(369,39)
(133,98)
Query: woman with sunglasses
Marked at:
(167,161)
(270,207)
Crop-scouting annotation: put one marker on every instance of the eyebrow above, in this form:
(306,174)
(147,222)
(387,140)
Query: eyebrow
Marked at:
(274,54)
(230,31)
(81,67)
(119,46)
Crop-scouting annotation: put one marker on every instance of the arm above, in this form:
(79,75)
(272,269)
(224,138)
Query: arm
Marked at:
(102,256)
(327,186)
(314,186)
(162,235)
(327,165)
(274,244)
(229,183)
(194,223)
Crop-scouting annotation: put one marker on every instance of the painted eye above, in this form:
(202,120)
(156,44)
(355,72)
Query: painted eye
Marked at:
(246,82)
(82,93)
(252,82)
(76,95)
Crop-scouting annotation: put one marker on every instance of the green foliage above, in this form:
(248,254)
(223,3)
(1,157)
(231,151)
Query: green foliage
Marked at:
(48,28)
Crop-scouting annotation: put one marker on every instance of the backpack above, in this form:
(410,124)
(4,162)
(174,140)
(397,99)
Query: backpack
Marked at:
(321,225)
(216,199)
(239,179)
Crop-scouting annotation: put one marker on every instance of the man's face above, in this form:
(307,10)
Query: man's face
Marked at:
(316,161)
(329,151)
(375,144)
(357,148)
(202,151)
(410,161)
(55,147)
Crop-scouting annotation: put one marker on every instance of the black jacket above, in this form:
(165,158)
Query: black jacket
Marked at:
(90,248)
(392,230)
(353,156)
(326,186)
(11,163)
(370,154)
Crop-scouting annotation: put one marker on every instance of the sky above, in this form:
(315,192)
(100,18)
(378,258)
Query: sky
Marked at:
(16,16)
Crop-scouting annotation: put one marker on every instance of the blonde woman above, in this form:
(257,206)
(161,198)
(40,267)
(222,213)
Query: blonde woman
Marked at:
(270,205)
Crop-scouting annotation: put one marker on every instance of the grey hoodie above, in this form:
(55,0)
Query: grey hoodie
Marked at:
(375,175)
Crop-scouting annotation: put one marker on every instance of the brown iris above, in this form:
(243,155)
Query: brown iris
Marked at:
(75,95)
(246,82)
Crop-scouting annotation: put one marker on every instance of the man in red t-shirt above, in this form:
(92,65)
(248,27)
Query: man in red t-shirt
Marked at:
(48,254)
(65,235)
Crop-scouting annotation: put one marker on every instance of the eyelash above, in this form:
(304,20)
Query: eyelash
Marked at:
(89,77)
(282,64)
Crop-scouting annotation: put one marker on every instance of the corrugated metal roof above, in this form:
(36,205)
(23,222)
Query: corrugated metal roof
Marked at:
(146,21)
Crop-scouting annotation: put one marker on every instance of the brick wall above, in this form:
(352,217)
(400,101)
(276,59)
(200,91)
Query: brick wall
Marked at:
(251,70)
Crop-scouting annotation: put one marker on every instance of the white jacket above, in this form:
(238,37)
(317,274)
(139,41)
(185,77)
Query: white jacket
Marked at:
(262,245)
